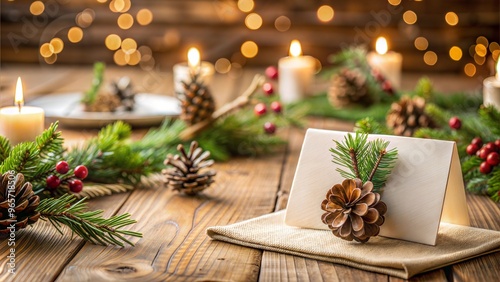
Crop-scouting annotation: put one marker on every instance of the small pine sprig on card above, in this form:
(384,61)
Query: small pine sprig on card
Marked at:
(365,160)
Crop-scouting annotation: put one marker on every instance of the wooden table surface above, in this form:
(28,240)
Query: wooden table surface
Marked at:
(175,246)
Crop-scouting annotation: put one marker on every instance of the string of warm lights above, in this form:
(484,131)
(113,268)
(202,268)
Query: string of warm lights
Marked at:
(127,52)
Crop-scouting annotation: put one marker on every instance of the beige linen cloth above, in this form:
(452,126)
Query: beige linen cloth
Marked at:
(384,255)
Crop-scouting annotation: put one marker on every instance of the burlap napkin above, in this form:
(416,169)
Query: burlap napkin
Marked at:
(388,256)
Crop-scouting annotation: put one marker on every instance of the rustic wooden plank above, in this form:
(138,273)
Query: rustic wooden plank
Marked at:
(175,245)
(41,252)
(484,214)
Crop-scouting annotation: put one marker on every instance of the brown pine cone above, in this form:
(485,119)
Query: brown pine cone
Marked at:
(353,211)
(185,174)
(408,115)
(17,203)
(348,87)
(197,103)
(104,102)
(124,90)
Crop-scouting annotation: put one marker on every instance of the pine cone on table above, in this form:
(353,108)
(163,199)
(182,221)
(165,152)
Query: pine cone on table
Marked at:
(124,90)
(408,115)
(14,191)
(349,87)
(197,103)
(353,211)
(185,173)
(104,102)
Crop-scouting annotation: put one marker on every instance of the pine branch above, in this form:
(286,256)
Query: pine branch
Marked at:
(348,153)
(490,117)
(5,148)
(90,226)
(93,190)
(97,81)
(370,126)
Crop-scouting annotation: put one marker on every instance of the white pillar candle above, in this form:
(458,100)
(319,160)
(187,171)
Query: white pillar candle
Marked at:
(184,70)
(20,124)
(491,89)
(388,63)
(296,74)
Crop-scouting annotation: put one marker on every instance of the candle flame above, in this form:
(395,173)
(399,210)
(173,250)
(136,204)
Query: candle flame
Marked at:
(18,100)
(381,45)
(193,58)
(295,48)
(498,70)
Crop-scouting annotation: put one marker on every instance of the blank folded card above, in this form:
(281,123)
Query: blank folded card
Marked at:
(425,187)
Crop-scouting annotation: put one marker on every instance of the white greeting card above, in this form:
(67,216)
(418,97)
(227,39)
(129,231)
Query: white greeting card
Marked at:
(425,187)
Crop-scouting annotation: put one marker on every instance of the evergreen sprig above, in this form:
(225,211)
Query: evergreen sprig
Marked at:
(5,148)
(366,160)
(89,225)
(98,78)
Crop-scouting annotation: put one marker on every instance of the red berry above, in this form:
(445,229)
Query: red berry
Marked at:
(272,72)
(260,109)
(276,106)
(497,143)
(493,159)
(483,153)
(76,185)
(472,149)
(269,127)
(81,171)
(455,123)
(378,76)
(268,88)
(53,181)
(387,87)
(477,141)
(491,147)
(484,168)
(62,167)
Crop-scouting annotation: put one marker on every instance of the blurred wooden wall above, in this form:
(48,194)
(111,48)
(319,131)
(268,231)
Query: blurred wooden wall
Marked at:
(217,27)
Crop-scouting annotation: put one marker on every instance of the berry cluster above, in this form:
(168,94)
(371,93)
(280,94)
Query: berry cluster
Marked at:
(489,152)
(384,83)
(74,181)
(260,109)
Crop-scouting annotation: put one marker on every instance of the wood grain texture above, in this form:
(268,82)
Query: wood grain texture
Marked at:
(175,245)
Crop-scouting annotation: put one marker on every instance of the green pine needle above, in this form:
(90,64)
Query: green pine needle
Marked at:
(5,148)
(366,160)
(91,94)
(89,225)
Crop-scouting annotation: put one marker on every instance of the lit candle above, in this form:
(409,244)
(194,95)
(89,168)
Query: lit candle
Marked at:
(296,73)
(19,123)
(388,63)
(491,89)
(183,71)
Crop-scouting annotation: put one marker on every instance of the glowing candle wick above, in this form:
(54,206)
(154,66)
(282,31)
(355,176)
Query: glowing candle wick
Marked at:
(18,100)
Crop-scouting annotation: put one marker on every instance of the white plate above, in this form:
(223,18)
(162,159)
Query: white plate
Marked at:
(149,110)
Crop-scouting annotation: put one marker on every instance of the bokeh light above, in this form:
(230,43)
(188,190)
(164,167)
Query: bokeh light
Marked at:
(37,8)
(45,50)
(479,59)
(56,45)
(51,59)
(129,45)
(430,58)
(410,17)
(494,46)
(223,65)
(144,17)
(119,57)
(495,54)
(133,58)
(113,42)
(451,18)
(282,23)
(421,43)
(120,6)
(455,53)
(480,50)
(482,40)
(394,2)
(470,69)
(249,49)
(75,34)
(325,13)
(125,21)
(253,21)
(246,5)
(85,18)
